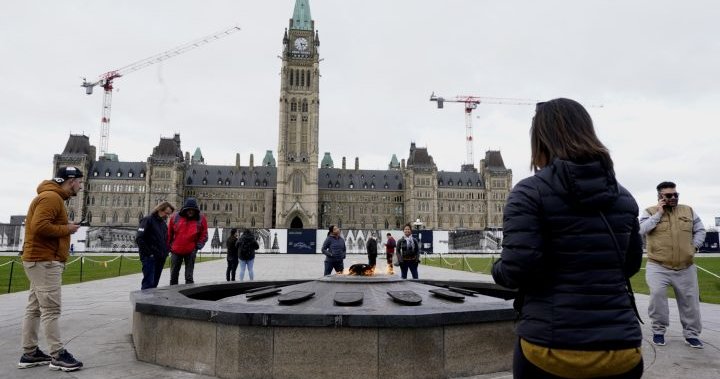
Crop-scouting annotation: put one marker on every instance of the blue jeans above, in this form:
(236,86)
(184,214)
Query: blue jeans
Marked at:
(412,265)
(337,265)
(249,266)
(152,269)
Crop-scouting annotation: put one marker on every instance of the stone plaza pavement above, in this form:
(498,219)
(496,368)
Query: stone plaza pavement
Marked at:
(96,326)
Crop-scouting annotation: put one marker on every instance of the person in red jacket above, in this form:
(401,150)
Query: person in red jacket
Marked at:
(187,233)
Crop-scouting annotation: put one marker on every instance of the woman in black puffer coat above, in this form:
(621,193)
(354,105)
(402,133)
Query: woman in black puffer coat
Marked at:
(576,316)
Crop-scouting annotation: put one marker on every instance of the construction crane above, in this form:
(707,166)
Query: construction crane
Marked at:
(471,102)
(106,80)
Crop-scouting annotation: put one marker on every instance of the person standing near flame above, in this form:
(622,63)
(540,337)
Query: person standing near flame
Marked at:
(371,247)
(408,250)
(334,250)
(389,252)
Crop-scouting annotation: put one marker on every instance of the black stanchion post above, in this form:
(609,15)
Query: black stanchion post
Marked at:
(12,265)
(120,268)
(81,267)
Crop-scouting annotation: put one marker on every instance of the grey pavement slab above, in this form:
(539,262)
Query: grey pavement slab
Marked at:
(96,325)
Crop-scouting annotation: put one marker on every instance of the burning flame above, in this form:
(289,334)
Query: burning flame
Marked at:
(363,269)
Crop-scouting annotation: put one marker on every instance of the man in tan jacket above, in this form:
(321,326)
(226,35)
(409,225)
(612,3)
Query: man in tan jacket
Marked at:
(674,232)
(45,250)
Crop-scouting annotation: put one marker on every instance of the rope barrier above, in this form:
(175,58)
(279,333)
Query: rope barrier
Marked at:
(73,261)
(9,262)
(715,275)
(108,261)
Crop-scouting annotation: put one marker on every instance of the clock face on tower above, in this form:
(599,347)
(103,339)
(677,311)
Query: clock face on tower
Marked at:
(301,44)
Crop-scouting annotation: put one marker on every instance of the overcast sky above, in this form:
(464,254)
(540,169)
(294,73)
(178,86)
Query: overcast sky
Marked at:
(653,65)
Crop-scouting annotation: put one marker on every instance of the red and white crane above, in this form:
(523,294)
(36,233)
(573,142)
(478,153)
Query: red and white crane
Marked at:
(471,102)
(106,80)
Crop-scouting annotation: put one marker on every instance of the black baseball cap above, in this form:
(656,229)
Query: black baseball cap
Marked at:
(68,172)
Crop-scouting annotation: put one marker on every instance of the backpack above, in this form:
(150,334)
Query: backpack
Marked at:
(243,247)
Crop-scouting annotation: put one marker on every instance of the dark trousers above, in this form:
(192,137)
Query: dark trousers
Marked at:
(372,259)
(524,369)
(412,265)
(152,267)
(337,265)
(176,261)
(231,269)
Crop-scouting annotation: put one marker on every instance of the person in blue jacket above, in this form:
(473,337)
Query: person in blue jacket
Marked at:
(334,250)
(570,242)
(153,247)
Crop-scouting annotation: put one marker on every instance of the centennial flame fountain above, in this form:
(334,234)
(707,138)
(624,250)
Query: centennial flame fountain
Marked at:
(350,326)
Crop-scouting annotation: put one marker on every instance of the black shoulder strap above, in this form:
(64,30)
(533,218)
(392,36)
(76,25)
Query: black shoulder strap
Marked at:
(628,285)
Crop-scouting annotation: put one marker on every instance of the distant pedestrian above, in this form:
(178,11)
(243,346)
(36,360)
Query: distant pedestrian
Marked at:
(674,233)
(389,252)
(45,251)
(232,255)
(247,245)
(151,239)
(408,250)
(371,247)
(334,250)
(187,234)
(72,249)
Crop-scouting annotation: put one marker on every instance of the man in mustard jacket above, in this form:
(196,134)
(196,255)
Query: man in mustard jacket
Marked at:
(45,250)
(674,232)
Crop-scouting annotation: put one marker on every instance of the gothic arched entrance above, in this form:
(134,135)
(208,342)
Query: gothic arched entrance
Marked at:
(296,223)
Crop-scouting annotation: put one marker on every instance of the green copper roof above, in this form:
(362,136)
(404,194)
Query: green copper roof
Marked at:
(301,18)
(327,161)
(269,160)
(394,162)
(197,157)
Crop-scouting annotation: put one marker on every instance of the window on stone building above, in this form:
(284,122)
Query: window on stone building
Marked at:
(297,183)
(115,218)
(126,219)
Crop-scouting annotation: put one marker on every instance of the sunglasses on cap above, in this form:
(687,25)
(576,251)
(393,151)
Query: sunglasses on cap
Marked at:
(671,195)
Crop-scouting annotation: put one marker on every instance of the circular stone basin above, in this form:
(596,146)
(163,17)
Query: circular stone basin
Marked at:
(219,329)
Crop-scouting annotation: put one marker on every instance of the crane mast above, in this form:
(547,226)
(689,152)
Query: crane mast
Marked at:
(471,103)
(106,80)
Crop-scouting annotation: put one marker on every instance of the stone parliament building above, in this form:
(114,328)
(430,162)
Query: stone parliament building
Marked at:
(298,190)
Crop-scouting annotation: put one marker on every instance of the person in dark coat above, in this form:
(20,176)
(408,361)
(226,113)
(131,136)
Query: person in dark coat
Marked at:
(247,245)
(232,255)
(334,250)
(151,239)
(371,247)
(570,242)
(408,251)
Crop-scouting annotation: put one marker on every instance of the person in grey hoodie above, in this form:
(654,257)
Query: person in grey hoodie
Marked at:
(334,250)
